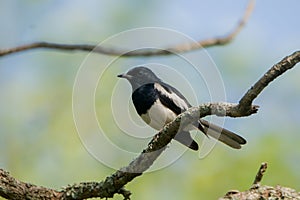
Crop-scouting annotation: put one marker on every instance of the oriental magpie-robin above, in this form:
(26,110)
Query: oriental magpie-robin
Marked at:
(159,103)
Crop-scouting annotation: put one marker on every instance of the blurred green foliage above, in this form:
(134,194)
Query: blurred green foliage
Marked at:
(38,139)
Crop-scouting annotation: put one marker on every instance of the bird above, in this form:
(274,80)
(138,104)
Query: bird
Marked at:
(158,103)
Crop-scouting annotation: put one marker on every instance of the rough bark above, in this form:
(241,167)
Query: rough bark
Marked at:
(11,188)
(262,192)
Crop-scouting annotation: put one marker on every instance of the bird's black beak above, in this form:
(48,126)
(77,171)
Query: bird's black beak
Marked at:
(125,76)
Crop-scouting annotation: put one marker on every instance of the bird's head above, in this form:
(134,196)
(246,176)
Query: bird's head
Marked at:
(139,76)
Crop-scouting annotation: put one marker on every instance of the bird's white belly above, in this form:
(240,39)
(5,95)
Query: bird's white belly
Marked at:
(158,115)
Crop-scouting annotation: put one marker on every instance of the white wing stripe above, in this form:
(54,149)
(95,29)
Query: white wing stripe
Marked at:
(176,99)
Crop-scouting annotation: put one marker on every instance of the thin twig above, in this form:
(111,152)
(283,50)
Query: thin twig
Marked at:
(258,191)
(126,193)
(141,52)
(275,71)
(219,40)
(260,173)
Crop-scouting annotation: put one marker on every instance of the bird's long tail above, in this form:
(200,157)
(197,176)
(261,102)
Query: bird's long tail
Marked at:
(227,137)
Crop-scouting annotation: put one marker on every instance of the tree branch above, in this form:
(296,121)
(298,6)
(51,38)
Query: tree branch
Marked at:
(13,189)
(10,188)
(278,69)
(260,173)
(262,192)
(141,52)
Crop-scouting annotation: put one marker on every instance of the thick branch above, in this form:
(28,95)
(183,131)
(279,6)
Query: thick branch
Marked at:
(114,184)
(13,189)
(157,145)
(141,52)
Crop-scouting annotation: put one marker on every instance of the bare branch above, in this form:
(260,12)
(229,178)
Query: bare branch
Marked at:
(13,189)
(219,40)
(277,70)
(260,173)
(141,52)
(262,192)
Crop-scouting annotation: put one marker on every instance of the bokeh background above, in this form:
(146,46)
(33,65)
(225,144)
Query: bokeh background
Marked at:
(38,139)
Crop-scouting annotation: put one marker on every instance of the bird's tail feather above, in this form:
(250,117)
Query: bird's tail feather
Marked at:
(227,137)
(223,135)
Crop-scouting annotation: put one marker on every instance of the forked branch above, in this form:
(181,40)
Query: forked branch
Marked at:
(114,184)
